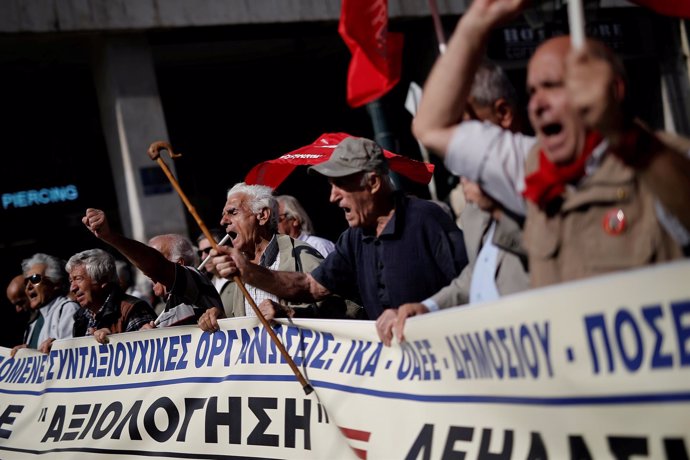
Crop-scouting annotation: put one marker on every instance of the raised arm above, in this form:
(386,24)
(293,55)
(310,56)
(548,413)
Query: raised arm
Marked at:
(144,257)
(448,85)
(291,286)
(598,92)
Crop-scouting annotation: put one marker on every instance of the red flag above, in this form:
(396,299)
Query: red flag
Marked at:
(274,172)
(679,8)
(376,53)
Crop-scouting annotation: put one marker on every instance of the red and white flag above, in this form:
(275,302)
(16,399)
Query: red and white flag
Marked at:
(679,8)
(358,441)
(376,53)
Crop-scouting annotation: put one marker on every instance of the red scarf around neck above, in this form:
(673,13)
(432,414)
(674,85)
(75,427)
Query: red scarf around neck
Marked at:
(549,181)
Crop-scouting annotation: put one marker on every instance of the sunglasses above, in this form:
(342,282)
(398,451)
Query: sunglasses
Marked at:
(201,252)
(33,279)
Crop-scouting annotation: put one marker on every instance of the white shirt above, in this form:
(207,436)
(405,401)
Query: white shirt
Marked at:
(58,319)
(322,245)
(483,283)
(494,158)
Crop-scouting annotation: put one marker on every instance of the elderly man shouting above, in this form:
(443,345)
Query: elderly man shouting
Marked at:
(250,217)
(372,260)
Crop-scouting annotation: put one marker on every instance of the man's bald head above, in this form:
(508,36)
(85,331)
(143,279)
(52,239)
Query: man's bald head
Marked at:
(17,295)
(176,248)
(558,125)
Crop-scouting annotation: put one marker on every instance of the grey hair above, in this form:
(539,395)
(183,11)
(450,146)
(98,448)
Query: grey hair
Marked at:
(386,179)
(55,271)
(490,84)
(179,247)
(295,210)
(260,197)
(99,265)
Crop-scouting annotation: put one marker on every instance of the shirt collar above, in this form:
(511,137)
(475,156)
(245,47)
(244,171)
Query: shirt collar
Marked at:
(594,161)
(395,224)
(270,253)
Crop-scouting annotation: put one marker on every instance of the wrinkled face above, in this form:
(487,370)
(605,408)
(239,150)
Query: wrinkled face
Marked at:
(39,289)
(558,128)
(353,198)
(87,292)
(240,222)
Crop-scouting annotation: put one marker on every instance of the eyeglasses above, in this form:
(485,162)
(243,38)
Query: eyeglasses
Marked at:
(34,279)
(201,252)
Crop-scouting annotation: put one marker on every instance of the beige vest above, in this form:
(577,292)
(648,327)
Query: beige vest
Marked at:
(585,238)
(308,261)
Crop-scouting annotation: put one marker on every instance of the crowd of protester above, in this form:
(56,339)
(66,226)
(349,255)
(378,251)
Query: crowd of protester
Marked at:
(593,191)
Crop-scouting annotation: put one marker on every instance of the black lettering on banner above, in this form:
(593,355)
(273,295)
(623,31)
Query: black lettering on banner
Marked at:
(173,416)
(8,419)
(578,448)
(537,450)
(294,422)
(191,405)
(130,419)
(114,408)
(456,433)
(232,418)
(506,451)
(675,449)
(76,422)
(623,447)
(92,420)
(56,425)
(258,436)
(422,443)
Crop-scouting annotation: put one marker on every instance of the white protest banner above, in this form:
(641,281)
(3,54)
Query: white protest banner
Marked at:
(592,369)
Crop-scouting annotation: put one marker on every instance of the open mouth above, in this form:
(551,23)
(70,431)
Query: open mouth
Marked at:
(552,129)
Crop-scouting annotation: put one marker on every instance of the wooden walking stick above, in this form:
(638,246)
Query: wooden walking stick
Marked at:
(154,153)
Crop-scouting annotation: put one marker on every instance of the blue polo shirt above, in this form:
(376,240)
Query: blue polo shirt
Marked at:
(420,251)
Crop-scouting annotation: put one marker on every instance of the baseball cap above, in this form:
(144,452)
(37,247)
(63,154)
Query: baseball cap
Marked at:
(353,155)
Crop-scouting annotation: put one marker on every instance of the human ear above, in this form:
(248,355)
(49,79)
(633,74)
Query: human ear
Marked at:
(504,113)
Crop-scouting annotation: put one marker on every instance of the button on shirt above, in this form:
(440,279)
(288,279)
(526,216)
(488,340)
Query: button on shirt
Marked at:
(418,252)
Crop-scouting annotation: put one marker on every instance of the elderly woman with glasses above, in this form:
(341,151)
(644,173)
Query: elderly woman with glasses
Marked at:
(46,288)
